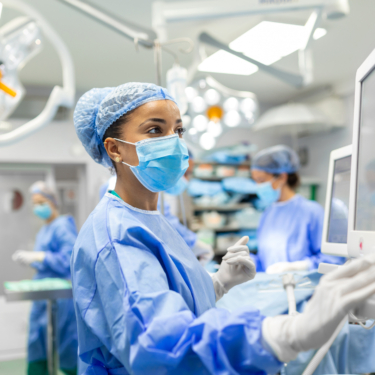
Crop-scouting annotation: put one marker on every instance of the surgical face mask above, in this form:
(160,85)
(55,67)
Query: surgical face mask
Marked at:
(43,211)
(179,188)
(162,162)
(267,194)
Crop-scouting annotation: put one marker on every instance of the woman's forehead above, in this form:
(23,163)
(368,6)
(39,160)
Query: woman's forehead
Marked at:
(158,108)
(256,173)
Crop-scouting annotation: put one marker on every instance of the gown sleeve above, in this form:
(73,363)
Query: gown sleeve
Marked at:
(150,329)
(315,232)
(58,261)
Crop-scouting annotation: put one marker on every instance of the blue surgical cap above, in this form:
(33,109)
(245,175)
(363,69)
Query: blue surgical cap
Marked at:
(40,187)
(276,160)
(98,109)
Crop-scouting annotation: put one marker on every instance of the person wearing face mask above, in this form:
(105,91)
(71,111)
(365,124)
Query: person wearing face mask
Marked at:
(290,230)
(50,258)
(143,303)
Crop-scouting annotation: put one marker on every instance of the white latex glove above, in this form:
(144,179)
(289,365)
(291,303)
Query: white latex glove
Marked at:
(337,293)
(28,257)
(301,265)
(203,252)
(236,268)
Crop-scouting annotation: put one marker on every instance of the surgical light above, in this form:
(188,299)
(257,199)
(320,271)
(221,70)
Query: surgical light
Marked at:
(20,40)
(232,119)
(193,131)
(248,106)
(231,104)
(212,97)
(200,123)
(191,93)
(198,104)
(215,113)
(207,141)
(269,42)
(214,128)
(224,62)
(186,120)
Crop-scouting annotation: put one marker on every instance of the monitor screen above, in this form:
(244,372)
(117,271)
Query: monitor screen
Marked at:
(339,209)
(365,197)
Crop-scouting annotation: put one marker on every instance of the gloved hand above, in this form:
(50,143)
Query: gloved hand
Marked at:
(236,268)
(280,267)
(28,257)
(203,252)
(337,293)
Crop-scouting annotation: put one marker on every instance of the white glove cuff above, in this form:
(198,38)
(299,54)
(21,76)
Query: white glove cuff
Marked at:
(278,333)
(218,286)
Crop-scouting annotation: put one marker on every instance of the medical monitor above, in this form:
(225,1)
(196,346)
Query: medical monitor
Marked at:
(361,229)
(335,229)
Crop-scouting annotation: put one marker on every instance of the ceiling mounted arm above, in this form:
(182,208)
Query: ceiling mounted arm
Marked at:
(139,34)
(290,78)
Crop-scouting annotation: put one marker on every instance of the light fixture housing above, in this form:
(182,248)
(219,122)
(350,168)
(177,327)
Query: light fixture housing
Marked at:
(20,40)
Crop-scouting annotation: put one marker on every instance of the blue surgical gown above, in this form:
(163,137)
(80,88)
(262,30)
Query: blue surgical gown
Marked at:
(56,240)
(189,236)
(145,305)
(291,231)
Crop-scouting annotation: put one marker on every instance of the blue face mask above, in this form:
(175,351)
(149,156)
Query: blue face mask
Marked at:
(162,162)
(43,211)
(267,194)
(179,188)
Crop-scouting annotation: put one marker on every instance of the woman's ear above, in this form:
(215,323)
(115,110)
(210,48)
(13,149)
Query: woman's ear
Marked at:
(112,150)
(284,178)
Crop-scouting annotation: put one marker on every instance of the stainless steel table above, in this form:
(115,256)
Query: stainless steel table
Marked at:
(52,338)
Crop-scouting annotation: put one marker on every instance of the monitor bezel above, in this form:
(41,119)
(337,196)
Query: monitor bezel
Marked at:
(359,242)
(330,248)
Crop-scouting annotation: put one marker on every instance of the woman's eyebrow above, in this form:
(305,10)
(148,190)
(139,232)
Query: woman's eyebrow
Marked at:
(162,121)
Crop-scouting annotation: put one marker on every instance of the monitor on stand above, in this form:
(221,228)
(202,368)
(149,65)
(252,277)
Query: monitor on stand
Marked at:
(335,229)
(361,223)
(361,229)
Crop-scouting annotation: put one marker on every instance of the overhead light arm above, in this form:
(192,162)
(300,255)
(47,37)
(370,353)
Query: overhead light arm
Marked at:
(305,59)
(138,34)
(290,78)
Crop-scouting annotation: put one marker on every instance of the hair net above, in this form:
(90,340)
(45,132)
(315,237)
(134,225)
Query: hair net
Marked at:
(40,187)
(276,160)
(98,109)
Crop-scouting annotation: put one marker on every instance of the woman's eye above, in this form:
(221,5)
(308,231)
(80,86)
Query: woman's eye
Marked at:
(180,131)
(154,131)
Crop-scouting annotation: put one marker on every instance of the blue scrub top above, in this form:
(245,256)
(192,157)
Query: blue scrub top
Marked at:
(145,305)
(56,239)
(291,231)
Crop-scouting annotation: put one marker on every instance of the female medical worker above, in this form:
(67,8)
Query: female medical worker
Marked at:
(143,303)
(290,230)
(51,258)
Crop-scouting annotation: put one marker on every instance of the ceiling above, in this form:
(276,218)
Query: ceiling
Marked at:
(104,58)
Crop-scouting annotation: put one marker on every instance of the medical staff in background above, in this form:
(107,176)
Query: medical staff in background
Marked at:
(201,250)
(290,230)
(51,258)
(143,303)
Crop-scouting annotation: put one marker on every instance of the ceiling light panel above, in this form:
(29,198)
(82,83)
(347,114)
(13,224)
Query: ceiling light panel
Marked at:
(224,62)
(268,42)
